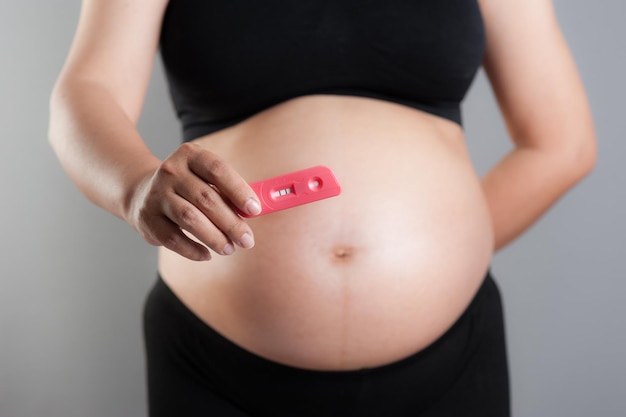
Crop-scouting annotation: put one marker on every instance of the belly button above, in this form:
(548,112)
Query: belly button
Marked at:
(342,254)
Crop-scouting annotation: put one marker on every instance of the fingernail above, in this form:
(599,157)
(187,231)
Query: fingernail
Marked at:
(252,207)
(228,249)
(247,241)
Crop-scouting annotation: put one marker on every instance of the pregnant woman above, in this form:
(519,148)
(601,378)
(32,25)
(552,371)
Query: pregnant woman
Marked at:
(377,302)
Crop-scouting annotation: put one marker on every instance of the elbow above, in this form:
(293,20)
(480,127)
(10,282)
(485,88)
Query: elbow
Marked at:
(61,108)
(565,157)
(577,157)
(583,156)
(54,111)
(567,144)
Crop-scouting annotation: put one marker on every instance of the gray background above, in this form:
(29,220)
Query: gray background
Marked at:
(73,278)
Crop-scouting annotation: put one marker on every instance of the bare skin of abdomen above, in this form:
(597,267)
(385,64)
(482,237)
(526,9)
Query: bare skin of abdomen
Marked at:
(359,280)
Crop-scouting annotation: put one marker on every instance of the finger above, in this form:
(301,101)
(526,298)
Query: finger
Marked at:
(214,170)
(188,217)
(173,238)
(211,203)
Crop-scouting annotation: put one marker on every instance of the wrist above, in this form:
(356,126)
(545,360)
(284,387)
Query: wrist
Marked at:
(135,189)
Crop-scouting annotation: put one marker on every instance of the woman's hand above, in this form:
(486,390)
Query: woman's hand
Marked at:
(192,191)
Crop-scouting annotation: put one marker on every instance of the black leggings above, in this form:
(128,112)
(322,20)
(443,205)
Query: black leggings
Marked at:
(194,371)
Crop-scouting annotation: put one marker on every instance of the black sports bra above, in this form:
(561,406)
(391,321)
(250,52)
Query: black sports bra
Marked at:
(226,60)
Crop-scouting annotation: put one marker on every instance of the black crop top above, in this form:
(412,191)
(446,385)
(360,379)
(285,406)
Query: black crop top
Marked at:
(226,60)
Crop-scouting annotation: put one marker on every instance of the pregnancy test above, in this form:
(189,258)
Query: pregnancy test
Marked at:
(294,189)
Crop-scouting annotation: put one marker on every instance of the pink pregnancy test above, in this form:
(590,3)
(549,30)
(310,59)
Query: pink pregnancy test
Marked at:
(294,189)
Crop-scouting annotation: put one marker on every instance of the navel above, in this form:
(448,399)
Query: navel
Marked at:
(342,254)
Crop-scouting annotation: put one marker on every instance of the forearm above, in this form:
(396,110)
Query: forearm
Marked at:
(526,183)
(98,145)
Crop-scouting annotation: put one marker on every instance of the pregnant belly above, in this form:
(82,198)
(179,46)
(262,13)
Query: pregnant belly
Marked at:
(359,280)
